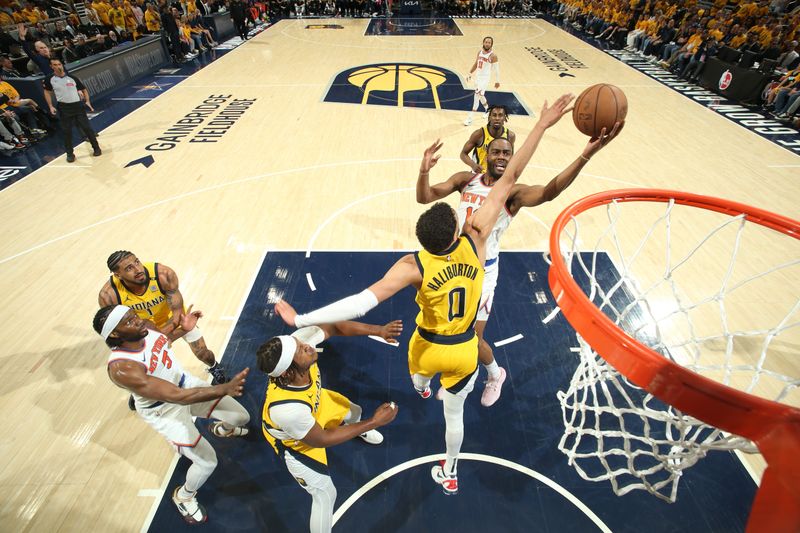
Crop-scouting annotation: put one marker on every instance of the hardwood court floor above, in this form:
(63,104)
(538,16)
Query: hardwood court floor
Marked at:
(292,173)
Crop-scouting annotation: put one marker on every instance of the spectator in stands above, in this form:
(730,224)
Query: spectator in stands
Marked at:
(113,39)
(751,44)
(69,53)
(784,82)
(790,58)
(138,14)
(82,48)
(93,26)
(330,9)
(27,109)
(239,16)
(7,69)
(40,33)
(152,19)
(785,98)
(170,27)
(37,51)
(117,16)
(61,33)
(101,44)
(102,8)
(8,119)
(693,69)
(196,25)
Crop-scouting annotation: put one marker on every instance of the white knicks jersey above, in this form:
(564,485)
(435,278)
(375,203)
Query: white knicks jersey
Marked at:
(158,360)
(473,194)
(483,69)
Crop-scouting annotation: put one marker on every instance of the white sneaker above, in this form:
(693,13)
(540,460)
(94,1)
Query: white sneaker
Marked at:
(468,121)
(191,510)
(373,436)
(219,430)
(493,389)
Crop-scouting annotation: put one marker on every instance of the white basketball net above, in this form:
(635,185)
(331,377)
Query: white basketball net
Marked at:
(702,294)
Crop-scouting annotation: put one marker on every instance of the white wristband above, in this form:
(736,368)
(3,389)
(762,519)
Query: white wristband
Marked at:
(354,306)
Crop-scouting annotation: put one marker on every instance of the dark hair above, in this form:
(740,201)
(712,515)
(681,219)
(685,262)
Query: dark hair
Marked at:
(267,357)
(99,321)
(502,107)
(436,227)
(55,59)
(114,259)
(489,37)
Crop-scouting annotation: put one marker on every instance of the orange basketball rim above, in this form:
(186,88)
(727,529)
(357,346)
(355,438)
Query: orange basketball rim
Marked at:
(773,426)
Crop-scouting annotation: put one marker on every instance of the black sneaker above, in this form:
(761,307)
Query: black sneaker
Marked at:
(217,374)
(97,152)
(131,403)
(70,158)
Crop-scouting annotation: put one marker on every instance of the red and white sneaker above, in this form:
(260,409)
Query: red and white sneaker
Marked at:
(493,388)
(425,393)
(191,510)
(449,483)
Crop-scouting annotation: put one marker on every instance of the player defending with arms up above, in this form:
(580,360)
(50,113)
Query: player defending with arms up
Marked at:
(474,188)
(448,276)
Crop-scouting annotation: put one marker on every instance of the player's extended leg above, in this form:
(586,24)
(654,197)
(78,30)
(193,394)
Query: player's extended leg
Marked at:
(475,101)
(198,345)
(446,473)
(204,461)
(231,418)
(497,374)
(320,487)
(422,384)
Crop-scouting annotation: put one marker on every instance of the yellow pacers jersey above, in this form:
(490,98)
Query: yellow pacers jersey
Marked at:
(450,292)
(152,305)
(479,153)
(327,407)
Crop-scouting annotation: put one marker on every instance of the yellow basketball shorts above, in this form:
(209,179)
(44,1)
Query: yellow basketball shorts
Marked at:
(455,362)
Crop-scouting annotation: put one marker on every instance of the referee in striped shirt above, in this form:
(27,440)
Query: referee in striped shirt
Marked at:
(71,96)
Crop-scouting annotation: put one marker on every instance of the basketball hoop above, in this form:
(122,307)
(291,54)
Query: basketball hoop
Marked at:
(679,349)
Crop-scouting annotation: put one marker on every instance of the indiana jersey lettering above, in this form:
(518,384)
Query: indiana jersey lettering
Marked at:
(157,358)
(451,288)
(328,408)
(473,194)
(152,305)
(479,152)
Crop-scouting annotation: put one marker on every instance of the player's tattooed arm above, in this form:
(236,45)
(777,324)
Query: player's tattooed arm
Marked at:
(107,296)
(168,280)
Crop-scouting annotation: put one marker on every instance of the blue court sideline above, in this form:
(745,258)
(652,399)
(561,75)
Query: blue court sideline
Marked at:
(252,491)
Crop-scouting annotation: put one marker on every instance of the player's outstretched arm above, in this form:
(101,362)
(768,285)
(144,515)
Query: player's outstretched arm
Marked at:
(533,195)
(348,328)
(132,376)
(427,194)
(484,218)
(325,438)
(402,274)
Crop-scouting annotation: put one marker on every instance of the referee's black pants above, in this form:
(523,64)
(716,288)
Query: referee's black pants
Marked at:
(74,114)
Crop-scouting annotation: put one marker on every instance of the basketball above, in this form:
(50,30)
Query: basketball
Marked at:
(600,106)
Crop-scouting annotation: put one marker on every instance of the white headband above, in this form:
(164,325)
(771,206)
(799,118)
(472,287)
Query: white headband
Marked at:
(288,347)
(113,320)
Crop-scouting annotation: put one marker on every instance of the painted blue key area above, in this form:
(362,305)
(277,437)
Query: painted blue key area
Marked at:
(251,489)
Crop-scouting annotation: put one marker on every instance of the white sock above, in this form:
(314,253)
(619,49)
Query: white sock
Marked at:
(184,494)
(451,466)
(493,370)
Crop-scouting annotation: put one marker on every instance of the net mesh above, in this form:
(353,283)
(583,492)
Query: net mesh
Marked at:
(702,294)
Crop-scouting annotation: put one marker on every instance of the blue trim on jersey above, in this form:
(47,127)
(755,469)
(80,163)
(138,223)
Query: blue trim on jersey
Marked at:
(469,240)
(447,339)
(455,389)
(153,405)
(490,262)
(183,379)
(419,264)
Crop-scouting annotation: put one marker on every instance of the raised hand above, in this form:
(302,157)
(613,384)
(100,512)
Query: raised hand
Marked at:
(549,115)
(235,387)
(385,414)
(284,310)
(189,319)
(430,158)
(389,332)
(597,143)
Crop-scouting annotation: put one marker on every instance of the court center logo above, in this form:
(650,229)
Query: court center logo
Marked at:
(411,85)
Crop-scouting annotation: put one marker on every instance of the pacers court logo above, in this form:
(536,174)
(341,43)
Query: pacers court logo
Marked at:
(411,85)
